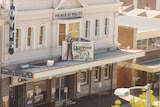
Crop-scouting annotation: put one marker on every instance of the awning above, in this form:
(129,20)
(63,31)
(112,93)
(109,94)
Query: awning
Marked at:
(63,68)
(151,66)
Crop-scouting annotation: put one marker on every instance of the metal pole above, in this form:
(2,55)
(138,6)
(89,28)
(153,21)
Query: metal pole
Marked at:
(148,95)
(100,85)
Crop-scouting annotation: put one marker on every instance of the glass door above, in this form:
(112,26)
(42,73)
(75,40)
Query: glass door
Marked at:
(61,89)
(16,96)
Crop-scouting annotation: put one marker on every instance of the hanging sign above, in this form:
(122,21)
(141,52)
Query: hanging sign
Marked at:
(12,28)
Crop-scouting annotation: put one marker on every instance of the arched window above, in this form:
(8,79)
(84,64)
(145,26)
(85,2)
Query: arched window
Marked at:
(42,35)
(97,28)
(18,38)
(87,29)
(30,35)
(106,30)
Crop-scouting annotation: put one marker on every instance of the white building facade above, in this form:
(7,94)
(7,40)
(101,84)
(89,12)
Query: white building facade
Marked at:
(32,33)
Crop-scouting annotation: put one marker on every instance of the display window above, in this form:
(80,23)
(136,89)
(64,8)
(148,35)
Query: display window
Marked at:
(40,92)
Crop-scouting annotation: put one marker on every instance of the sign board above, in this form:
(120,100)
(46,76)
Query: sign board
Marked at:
(82,51)
(18,81)
(14,72)
(67,15)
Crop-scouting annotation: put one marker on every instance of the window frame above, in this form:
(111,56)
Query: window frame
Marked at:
(31,37)
(97,74)
(87,29)
(42,36)
(106,26)
(107,69)
(43,93)
(85,77)
(66,23)
(142,44)
(18,40)
(97,28)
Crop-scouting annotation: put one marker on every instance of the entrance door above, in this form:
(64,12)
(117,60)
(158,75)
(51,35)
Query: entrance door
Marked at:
(61,89)
(16,96)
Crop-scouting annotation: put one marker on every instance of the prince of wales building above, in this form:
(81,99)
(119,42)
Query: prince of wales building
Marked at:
(58,50)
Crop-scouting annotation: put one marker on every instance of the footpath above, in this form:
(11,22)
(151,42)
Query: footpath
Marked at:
(98,100)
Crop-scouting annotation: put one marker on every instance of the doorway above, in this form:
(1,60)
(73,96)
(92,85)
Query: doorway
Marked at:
(16,96)
(61,89)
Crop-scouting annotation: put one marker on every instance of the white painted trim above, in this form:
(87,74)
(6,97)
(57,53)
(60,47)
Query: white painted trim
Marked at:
(85,65)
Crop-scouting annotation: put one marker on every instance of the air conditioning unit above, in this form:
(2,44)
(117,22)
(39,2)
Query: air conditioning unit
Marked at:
(50,63)
(24,66)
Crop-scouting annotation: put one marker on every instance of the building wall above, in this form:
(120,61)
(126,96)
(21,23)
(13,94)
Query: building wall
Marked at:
(4,96)
(150,56)
(127,2)
(126,36)
(42,13)
(141,4)
(92,87)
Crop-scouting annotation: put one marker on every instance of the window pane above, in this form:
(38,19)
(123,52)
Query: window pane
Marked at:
(106,27)
(29,37)
(41,34)
(61,33)
(97,27)
(74,30)
(40,92)
(97,74)
(83,77)
(17,38)
(87,29)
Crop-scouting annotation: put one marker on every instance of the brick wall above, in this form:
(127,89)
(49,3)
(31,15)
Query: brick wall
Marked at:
(125,36)
(149,56)
(148,3)
(127,2)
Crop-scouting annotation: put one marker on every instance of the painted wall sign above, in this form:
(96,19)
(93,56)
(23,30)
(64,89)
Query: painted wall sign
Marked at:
(18,73)
(68,15)
(12,27)
(15,81)
(83,51)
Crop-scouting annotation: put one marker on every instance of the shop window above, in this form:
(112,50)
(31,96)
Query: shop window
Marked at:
(107,70)
(40,92)
(97,28)
(83,77)
(97,74)
(18,39)
(106,31)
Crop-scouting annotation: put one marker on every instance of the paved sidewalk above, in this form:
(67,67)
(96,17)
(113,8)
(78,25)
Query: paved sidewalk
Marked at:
(98,100)
(103,100)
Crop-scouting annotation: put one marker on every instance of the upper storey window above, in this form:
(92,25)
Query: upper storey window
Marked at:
(97,28)
(106,30)
(30,35)
(87,29)
(42,35)
(66,29)
(142,44)
(149,44)
(62,28)
(18,39)
(74,30)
